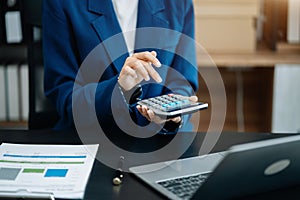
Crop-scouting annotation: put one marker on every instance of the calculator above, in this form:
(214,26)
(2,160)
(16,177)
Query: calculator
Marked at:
(172,105)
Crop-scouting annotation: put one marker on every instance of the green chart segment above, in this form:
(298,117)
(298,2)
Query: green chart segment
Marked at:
(30,170)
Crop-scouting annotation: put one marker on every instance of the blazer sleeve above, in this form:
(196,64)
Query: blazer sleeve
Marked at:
(62,64)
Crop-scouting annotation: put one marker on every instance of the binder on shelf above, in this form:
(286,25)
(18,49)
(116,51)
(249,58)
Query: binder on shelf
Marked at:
(3,111)
(294,22)
(13,27)
(13,93)
(24,79)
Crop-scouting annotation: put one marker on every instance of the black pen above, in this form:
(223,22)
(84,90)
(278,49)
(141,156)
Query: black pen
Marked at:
(117,180)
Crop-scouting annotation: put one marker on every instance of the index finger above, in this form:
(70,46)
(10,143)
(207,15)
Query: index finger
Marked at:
(148,57)
(154,74)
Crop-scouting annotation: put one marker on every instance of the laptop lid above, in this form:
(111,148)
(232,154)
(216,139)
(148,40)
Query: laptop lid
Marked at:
(254,168)
(242,170)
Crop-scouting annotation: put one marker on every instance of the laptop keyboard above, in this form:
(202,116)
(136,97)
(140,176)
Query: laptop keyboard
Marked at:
(184,187)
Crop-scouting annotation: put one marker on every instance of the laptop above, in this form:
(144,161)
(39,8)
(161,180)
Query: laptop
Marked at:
(243,170)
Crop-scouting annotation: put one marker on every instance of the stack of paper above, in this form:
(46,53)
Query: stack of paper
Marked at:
(56,171)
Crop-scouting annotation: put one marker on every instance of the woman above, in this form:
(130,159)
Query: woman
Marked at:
(130,62)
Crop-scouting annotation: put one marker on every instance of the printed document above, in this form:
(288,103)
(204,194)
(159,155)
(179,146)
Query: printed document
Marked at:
(61,171)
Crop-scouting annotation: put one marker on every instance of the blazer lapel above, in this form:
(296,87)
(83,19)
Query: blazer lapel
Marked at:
(148,15)
(106,26)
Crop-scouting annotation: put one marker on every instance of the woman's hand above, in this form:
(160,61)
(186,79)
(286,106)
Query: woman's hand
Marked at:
(137,68)
(149,114)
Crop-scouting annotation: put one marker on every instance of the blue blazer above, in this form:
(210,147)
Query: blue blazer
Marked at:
(72,30)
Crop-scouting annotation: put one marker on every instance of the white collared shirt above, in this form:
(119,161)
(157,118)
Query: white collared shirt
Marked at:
(126,11)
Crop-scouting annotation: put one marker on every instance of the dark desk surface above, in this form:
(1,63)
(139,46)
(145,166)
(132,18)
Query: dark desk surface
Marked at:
(100,182)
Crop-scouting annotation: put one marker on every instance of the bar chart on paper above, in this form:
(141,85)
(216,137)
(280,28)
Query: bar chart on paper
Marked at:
(45,169)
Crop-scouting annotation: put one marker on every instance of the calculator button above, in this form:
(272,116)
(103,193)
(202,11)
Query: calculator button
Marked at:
(178,102)
(169,98)
(172,104)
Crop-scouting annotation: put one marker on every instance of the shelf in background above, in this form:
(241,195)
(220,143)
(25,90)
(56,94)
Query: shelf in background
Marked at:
(263,57)
(23,125)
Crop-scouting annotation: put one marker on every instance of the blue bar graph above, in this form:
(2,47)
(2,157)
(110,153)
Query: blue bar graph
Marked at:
(56,173)
(40,156)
